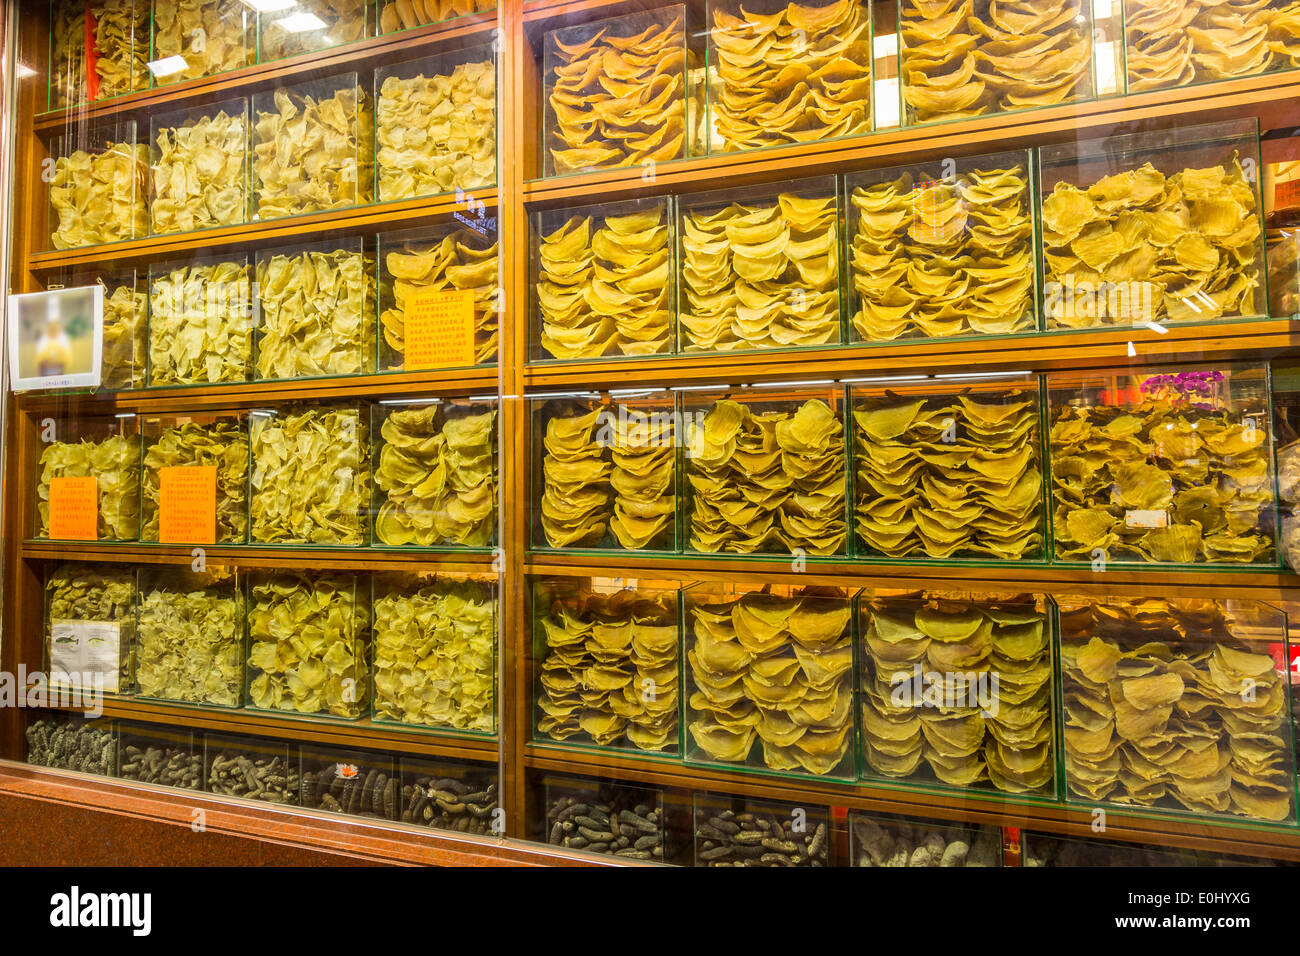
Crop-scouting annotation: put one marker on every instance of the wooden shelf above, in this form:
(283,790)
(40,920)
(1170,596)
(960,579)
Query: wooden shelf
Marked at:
(1274,98)
(337,733)
(1256,339)
(364,54)
(355,220)
(1191,832)
(262,556)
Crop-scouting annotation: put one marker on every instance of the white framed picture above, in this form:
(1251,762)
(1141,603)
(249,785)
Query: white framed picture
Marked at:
(56,338)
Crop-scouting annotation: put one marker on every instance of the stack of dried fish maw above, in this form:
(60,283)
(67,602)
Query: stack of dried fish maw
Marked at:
(767,481)
(114,462)
(1177,477)
(775,668)
(198,175)
(437,475)
(222,444)
(212,36)
(306,644)
(67,53)
(121,45)
(453,262)
(969,57)
(1166,705)
(1138,247)
(963,685)
(761,276)
(405,14)
(949,475)
(311,477)
(604,286)
(941,257)
(898,842)
(312,155)
(437,133)
(80,592)
(314,309)
(344,21)
(199,324)
(190,644)
(617,100)
(643,452)
(577,500)
(799,75)
(434,655)
(1177,42)
(100,195)
(125,308)
(610,668)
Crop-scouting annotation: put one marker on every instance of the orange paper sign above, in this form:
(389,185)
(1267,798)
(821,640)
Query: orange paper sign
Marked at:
(74,508)
(439,328)
(1286,195)
(187,504)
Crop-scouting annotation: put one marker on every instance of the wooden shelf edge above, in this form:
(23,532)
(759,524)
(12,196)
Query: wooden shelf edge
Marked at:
(367,218)
(896,146)
(1047,351)
(261,556)
(419,40)
(1224,836)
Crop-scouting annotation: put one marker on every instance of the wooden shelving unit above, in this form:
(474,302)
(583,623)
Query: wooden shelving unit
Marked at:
(517,30)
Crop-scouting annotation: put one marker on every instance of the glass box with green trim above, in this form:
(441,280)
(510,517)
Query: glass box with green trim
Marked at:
(194,440)
(163,756)
(89,629)
(253,768)
(734,830)
(890,840)
(621,820)
(360,783)
(446,794)
(309,26)
(199,167)
(98,185)
(200,320)
(70,452)
(194,38)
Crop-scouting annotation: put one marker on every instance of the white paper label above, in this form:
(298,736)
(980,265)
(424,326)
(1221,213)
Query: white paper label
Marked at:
(82,648)
(1146,519)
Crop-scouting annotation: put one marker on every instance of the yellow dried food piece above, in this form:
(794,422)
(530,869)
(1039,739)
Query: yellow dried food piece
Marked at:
(114,463)
(311,477)
(405,14)
(314,310)
(100,196)
(577,500)
(312,155)
(198,176)
(121,33)
(123,361)
(199,324)
(437,134)
(222,444)
(212,36)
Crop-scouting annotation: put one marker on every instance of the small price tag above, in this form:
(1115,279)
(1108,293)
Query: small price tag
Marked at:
(439,329)
(1137,518)
(74,508)
(187,504)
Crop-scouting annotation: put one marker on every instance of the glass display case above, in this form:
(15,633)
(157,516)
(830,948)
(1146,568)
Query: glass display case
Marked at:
(439,295)
(890,840)
(622,92)
(194,38)
(308,643)
(765,471)
(958,61)
(87,479)
(98,184)
(603,281)
(65,742)
(738,831)
(1177,705)
(194,478)
(769,678)
(124,332)
(200,319)
(309,468)
(956,691)
(436,473)
(1050,849)
(449,795)
(394,16)
(310,25)
(1167,465)
(948,471)
(605,666)
(199,167)
(603,471)
(98,50)
(313,146)
(942,250)
(356,782)
(1285,376)
(189,635)
(780,287)
(251,768)
(435,124)
(620,820)
(160,756)
(1153,228)
(89,629)
(312,315)
(435,650)
(757,51)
